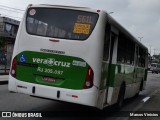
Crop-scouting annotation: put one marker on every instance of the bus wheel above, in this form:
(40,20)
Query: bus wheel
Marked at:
(121,96)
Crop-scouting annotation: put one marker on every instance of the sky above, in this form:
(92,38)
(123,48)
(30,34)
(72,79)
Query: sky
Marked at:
(140,17)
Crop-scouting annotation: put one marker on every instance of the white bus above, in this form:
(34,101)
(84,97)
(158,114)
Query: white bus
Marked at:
(77,55)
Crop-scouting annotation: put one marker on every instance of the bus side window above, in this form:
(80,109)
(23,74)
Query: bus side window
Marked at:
(126,49)
(141,59)
(106,43)
(121,50)
(136,56)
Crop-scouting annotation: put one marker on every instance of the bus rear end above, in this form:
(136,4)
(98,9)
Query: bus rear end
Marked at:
(52,55)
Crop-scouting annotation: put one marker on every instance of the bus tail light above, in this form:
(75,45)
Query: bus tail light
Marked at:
(89,79)
(13,68)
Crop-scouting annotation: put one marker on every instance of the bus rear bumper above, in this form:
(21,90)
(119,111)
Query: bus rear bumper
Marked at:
(85,97)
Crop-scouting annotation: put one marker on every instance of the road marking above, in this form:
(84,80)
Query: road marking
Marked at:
(146,99)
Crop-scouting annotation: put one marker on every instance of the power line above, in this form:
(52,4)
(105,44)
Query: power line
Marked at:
(15,10)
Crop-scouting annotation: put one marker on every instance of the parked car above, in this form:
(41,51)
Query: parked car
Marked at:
(155,68)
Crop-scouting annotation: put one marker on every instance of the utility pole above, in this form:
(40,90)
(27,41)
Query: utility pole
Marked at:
(154,51)
(150,48)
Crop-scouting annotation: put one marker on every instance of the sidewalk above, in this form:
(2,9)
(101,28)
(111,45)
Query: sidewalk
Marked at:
(151,108)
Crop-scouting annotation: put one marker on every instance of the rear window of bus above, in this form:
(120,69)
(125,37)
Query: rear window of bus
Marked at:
(60,23)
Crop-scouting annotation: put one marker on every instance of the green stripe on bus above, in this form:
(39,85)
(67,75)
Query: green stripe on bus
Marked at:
(115,74)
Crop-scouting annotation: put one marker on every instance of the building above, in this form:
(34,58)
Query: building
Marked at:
(8,32)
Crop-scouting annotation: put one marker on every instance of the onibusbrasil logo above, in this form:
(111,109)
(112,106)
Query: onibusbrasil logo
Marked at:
(51,62)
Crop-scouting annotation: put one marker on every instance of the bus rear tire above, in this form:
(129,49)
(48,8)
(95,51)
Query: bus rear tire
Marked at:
(120,100)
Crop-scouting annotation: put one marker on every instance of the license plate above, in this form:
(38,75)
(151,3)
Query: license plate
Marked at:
(48,79)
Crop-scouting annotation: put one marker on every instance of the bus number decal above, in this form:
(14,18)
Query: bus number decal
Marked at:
(84,19)
(50,71)
(81,28)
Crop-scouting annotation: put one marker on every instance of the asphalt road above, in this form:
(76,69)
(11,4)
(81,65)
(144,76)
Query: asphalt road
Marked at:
(20,102)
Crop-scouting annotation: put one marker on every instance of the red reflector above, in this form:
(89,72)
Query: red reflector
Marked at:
(74,96)
(53,40)
(98,11)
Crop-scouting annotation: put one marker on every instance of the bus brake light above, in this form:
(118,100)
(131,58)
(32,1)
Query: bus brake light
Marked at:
(89,79)
(74,96)
(13,68)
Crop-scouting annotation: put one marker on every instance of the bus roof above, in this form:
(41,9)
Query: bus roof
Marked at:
(64,6)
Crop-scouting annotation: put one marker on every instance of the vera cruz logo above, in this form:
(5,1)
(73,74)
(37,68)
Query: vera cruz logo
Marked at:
(51,62)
